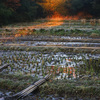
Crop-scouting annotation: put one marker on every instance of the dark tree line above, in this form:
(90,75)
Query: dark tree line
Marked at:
(29,10)
(89,6)
(19,11)
(73,7)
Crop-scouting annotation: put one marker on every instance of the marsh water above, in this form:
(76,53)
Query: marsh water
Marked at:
(48,43)
(37,63)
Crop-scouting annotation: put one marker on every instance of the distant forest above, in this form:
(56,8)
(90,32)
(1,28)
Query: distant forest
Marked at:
(28,10)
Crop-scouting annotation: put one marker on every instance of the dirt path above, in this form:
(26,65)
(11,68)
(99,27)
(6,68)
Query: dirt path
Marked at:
(95,48)
(6,38)
(52,46)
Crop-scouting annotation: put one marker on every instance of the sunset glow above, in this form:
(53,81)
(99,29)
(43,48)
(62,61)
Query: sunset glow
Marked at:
(55,6)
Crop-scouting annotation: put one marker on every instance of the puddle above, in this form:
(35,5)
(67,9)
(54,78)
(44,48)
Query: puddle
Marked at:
(47,43)
(4,93)
(68,37)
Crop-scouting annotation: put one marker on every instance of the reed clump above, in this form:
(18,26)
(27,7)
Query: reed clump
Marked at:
(83,21)
(93,22)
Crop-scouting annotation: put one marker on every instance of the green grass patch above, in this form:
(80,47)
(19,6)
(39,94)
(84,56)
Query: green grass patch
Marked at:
(70,88)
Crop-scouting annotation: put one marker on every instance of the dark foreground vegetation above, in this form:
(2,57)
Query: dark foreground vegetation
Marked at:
(84,88)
